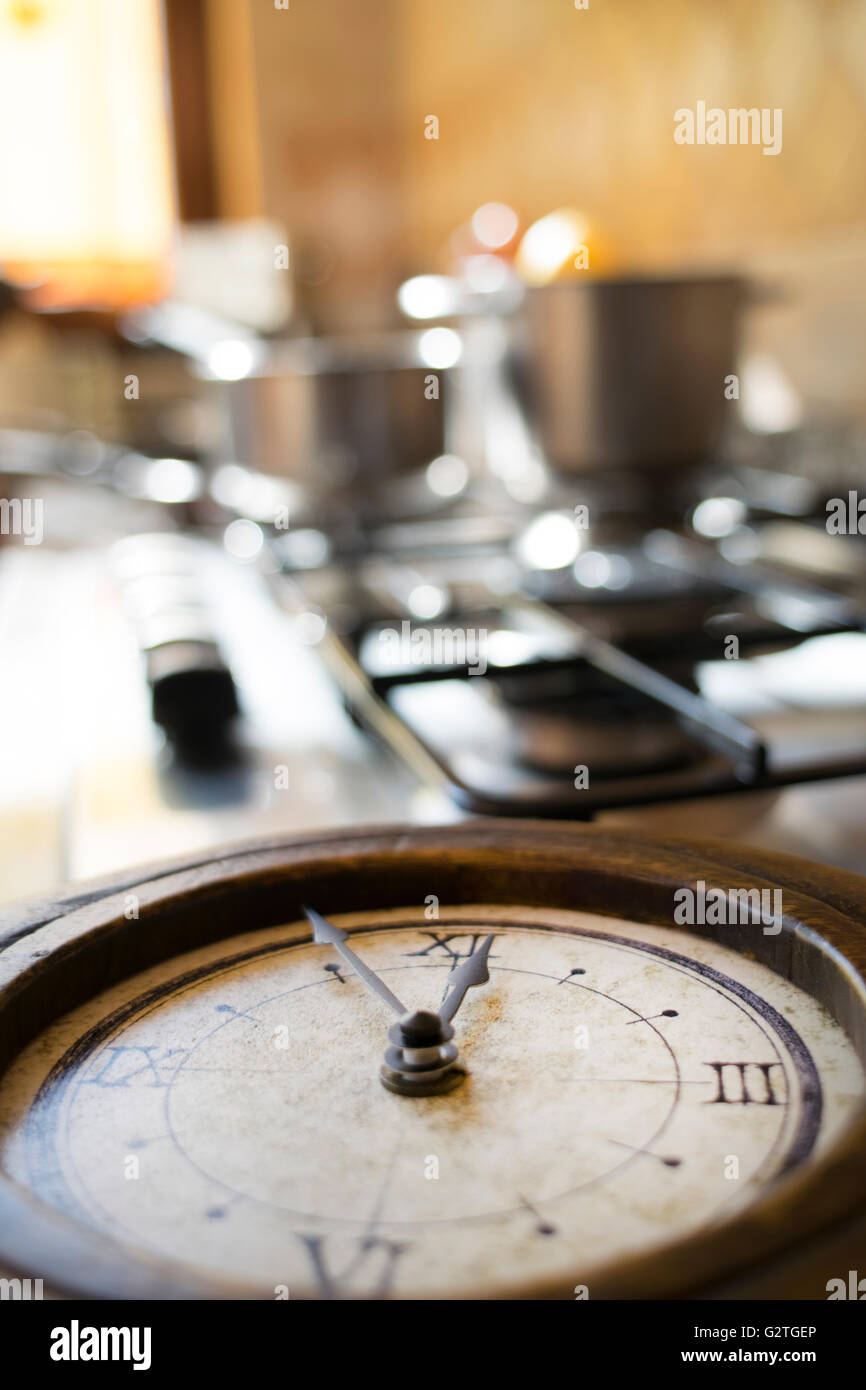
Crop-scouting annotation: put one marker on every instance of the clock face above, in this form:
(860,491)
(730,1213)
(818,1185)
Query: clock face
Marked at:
(626,1085)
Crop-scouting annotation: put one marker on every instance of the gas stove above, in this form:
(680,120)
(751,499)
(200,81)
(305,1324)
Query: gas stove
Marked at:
(492,654)
(648,643)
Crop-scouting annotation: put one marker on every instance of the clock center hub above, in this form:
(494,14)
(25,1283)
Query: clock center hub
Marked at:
(422,1059)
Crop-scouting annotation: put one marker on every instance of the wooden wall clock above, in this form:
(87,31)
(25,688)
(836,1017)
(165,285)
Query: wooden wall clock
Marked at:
(587,1098)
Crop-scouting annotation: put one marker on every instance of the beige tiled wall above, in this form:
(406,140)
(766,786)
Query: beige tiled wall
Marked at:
(543,104)
(326,75)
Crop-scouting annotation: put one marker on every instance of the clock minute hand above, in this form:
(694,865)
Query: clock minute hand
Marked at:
(472,972)
(325,933)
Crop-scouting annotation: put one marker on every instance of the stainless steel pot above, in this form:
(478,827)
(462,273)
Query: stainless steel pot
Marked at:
(337,416)
(628,373)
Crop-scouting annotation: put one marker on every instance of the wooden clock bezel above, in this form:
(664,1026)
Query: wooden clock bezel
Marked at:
(55,954)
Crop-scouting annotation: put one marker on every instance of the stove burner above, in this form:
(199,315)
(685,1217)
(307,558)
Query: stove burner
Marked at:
(552,739)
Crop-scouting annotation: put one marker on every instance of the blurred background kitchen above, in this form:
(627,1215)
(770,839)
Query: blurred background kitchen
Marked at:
(398,423)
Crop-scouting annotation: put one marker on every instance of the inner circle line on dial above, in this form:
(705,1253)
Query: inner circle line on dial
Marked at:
(62,1075)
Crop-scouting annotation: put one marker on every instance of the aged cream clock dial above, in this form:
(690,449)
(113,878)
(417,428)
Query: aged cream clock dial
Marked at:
(485,1062)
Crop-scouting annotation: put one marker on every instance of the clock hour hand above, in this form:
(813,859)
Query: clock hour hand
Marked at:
(472,972)
(325,933)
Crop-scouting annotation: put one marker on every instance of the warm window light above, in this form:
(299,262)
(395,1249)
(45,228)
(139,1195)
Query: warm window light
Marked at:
(86,203)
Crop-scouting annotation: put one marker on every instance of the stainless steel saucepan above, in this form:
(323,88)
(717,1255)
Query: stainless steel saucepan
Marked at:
(338,415)
(628,373)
